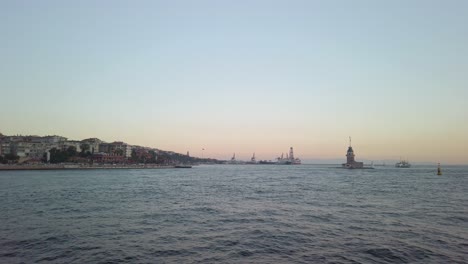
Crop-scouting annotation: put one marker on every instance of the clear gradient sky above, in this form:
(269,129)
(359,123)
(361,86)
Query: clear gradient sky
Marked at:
(242,76)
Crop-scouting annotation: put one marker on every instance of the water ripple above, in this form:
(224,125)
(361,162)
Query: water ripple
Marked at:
(235,214)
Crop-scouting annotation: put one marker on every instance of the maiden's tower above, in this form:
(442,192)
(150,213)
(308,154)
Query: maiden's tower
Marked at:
(350,162)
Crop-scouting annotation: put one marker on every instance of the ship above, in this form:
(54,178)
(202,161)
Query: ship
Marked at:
(266,162)
(289,160)
(253,160)
(233,159)
(403,164)
(182,166)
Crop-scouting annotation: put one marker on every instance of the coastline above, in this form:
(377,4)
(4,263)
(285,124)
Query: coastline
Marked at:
(80,167)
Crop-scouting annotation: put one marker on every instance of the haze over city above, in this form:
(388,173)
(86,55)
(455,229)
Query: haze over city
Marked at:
(242,76)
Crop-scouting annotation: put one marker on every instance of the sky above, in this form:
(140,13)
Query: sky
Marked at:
(242,76)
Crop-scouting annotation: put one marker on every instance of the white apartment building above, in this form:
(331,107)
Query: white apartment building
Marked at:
(72,143)
(114,146)
(93,144)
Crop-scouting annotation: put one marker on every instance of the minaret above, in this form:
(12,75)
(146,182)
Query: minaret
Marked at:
(291,154)
(350,154)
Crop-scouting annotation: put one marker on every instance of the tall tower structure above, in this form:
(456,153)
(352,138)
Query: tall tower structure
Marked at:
(350,162)
(350,154)
(291,154)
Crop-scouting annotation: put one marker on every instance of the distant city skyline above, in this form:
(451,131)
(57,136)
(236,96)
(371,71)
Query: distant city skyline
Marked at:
(242,77)
(246,156)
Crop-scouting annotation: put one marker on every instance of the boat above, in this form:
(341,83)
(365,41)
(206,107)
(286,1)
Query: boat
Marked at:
(182,166)
(289,160)
(253,160)
(233,159)
(403,164)
(266,162)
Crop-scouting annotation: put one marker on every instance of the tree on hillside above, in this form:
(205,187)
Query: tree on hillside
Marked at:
(71,151)
(10,158)
(161,160)
(153,156)
(85,150)
(59,156)
(119,152)
(134,156)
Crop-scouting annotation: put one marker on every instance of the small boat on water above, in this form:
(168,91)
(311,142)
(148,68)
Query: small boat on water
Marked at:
(403,164)
(182,166)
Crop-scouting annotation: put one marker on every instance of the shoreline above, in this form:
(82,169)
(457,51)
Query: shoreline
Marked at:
(81,167)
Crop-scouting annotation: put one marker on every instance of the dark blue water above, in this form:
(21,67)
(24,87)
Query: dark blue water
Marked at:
(235,214)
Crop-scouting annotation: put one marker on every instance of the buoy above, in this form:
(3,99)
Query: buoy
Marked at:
(439,172)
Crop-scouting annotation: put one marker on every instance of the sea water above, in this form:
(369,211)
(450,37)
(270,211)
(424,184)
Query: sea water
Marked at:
(235,214)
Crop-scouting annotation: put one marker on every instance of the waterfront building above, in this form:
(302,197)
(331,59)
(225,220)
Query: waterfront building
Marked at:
(5,148)
(142,154)
(21,149)
(53,139)
(107,158)
(72,143)
(37,150)
(92,144)
(34,147)
(32,150)
(115,148)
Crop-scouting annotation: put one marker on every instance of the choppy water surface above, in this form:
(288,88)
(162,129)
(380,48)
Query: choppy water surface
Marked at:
(235,214)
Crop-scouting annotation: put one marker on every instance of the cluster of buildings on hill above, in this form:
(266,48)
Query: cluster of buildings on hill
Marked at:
(36,148)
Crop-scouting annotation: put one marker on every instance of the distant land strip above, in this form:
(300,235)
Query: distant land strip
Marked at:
(80,167)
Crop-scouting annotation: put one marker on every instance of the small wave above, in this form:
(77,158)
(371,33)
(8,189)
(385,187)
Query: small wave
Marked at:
(386,254)
(171,253)
(9,254)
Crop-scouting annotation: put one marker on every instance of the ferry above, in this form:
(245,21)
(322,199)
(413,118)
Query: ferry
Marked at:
(403,164)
